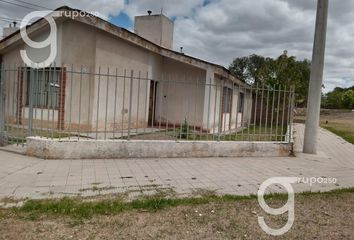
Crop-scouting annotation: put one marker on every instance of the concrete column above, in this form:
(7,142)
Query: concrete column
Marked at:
(315,88)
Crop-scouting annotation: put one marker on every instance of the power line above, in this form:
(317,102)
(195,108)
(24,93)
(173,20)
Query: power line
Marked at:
(11,20)
(19,5)
(32,4)
(4,20)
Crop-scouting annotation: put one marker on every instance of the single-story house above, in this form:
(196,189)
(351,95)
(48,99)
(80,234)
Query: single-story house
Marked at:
(80,91)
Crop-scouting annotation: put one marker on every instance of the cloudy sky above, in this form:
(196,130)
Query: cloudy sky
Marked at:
(220,30)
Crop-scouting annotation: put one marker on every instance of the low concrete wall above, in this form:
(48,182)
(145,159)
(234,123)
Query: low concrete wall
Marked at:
(109,149)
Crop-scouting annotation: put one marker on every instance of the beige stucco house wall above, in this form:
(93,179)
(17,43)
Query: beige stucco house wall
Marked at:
(125,66)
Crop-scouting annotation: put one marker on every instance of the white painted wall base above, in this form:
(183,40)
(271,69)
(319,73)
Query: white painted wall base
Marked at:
(110,149)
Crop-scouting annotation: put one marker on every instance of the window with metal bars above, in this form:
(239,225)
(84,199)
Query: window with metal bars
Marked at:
(227,100)
(45,87)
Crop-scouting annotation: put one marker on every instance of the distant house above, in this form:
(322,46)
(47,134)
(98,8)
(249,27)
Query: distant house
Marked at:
(169,87)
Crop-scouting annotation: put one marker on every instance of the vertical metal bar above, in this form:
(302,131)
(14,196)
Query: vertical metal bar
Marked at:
(123,104)
(160,100)
(98,100)
(80,100)
(266,117)
(59,99)
(2,105)
(277,121)
(54,95)
(208,116)
(195,108)
(202,84)
(283,116)
(30,103)
(255,113)
(89,110)
(14,101)
(249,112)
(35,102)
(71,99)
(115,103)
(138,103)
(221,111)
(153,104)
(231,110)
(272,117)
(292,113)
(167,101)
(237,110)
(19,80)
(105,118)
(242,114)
(288,113)
(48,92)
(42,92)
(261,114)
(215,103)
(225,96)
(146,101)
(175,109)
(130,103)
(7,99)
(188,104)
(23,128)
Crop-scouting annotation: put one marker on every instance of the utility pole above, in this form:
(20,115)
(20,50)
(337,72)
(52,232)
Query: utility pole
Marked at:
(316,79)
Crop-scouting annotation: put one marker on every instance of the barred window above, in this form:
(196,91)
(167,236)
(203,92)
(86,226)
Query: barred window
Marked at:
(45,87)
(227,100)
(241,102)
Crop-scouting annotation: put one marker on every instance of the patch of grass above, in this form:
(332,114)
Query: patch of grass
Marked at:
(252,133)
(79,209)
(18,134)
(345,134)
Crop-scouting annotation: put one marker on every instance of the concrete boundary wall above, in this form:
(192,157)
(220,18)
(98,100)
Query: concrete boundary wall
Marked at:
(110,149)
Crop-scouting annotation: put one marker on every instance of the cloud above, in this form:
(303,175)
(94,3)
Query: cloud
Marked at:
(225,29)
(220,30)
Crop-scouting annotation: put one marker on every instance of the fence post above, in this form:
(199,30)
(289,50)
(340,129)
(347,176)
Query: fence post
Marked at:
(292,109)
(30,81)
(130,104)
(2,105)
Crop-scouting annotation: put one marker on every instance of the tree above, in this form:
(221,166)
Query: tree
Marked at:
(335,99)
(282,71)
(348,99)
(339,98)
(246,68)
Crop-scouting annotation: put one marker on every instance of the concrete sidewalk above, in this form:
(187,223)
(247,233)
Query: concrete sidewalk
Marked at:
(25,177)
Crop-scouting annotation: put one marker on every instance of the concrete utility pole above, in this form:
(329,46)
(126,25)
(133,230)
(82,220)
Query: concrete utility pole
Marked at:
(315,88)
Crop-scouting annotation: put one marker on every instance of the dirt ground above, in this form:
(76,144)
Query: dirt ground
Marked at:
(316,217)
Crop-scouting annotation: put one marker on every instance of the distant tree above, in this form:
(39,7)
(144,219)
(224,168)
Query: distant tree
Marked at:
(348,99)
(282,71)
(334,99)
(247,68)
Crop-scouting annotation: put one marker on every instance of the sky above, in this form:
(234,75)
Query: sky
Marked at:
(221,30)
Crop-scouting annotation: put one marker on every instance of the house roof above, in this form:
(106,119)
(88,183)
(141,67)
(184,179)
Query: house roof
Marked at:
(125,35)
